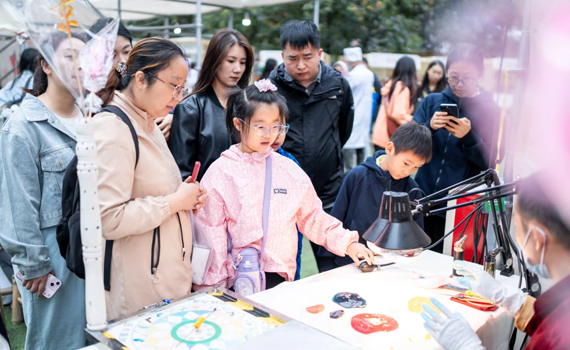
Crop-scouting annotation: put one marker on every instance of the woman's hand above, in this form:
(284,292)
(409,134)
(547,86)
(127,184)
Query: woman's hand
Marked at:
(439,120)
(37,284)
(164,124)
(460,128)
(188,196)
(358,251)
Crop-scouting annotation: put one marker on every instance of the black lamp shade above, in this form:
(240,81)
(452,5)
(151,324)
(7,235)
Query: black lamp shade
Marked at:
(395,229)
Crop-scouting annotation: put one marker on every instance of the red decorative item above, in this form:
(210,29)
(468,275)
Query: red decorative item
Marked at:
(372,323)
(316,309)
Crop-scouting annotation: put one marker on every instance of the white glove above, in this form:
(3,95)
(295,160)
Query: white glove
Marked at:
(481,282)
(452,332)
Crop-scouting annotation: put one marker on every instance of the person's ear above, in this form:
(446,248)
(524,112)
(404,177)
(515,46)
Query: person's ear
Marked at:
(140,80)
(539,237)
(237,124)
(390,148)
(283,56)
(320,54)
(45,67)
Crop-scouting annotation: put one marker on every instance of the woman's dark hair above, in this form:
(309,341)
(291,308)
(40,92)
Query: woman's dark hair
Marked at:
(218,48)
(441,84)
(103,21)
(299,35)
(405,72)
(28,60)
(150,56)
(270,65)
(243,103)
(466,53)
(51,44)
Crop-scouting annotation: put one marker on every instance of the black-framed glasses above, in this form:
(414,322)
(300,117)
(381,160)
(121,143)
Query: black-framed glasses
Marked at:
(178,89)
(455,81)
(263,130)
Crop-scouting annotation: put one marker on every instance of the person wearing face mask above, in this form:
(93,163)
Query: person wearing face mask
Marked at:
(463,146)
(544,238)
(144,203)
(199,131)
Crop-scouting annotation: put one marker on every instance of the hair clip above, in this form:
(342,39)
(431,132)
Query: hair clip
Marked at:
(265,85)
(122,68)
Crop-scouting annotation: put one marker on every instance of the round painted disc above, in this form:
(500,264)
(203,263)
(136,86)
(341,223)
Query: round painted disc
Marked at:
(371,323)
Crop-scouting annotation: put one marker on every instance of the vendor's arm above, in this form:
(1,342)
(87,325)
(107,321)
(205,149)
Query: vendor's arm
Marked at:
(20,233)
(211,221)
(525,314)
(122,216)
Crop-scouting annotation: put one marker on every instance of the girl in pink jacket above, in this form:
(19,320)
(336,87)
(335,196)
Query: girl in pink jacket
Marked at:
(236,185)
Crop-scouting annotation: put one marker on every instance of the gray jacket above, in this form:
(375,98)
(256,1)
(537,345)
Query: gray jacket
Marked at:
(35,149)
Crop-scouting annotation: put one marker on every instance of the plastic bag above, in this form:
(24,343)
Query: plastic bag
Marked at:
(202,254)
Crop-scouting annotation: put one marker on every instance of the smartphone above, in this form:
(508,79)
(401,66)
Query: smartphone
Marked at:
(52,284)
(451,109)
(195,172)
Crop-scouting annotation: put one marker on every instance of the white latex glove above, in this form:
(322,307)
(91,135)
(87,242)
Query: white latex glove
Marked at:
(481,282)
(450,330)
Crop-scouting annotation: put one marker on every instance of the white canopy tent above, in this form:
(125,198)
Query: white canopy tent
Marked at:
(145,9)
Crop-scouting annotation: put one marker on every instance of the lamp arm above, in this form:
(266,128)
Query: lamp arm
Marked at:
(455,228)
(488,174)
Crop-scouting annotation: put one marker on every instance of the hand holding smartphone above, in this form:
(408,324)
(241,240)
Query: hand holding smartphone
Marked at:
(451,109)
(52,284)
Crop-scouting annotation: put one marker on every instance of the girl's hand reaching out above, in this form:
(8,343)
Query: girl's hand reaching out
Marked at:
(358,251)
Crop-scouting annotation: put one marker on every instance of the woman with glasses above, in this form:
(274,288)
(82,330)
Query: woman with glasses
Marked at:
(198,129)
(397,102)
(465,144)
(144,202)
(236,183)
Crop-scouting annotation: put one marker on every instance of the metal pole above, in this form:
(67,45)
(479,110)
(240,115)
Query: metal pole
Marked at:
(316,13)
(198,34)
(231,19)
(119,9)
(166,24)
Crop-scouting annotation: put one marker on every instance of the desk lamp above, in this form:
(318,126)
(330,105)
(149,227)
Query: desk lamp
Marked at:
(395,235)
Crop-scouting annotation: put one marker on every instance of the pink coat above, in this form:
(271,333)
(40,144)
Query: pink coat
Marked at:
(235,184)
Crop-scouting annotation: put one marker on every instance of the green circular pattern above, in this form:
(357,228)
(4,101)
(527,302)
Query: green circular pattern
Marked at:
(174,333)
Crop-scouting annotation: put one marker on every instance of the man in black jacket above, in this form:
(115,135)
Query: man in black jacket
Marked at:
(321,109)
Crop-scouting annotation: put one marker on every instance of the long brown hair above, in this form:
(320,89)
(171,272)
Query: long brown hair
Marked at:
(150,56)
(218,48)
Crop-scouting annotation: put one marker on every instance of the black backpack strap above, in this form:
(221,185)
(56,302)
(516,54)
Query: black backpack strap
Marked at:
(109,243)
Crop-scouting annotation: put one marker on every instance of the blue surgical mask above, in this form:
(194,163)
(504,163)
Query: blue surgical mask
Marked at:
(539,269)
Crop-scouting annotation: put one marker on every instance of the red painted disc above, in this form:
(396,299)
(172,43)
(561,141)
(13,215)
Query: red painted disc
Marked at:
(371,323)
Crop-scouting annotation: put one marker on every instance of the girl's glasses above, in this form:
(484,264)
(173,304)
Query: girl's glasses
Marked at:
(177,89)
(263,130)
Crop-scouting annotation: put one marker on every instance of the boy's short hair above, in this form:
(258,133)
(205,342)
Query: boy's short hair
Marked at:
(413,137)
(533,204)
(300,34)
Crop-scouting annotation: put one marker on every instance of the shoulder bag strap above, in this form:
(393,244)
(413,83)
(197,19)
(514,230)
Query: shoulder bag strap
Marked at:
(265,213)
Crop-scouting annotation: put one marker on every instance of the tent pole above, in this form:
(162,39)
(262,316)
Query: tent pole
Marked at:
(231,19)
(119,9)
(316,13)
(166,24)
(198,34)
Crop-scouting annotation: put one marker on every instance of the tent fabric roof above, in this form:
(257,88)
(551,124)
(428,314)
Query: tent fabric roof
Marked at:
(144,9)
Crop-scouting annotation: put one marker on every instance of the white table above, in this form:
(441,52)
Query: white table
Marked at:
(387,292)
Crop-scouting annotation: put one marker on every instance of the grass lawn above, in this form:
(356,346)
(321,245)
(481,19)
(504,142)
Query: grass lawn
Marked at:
(17,333)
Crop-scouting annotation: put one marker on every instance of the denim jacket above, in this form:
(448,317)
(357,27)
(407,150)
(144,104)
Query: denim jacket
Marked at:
(35,149)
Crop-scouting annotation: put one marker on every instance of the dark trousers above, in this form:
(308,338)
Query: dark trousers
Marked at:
(352,158)
(434,226)
(272,279)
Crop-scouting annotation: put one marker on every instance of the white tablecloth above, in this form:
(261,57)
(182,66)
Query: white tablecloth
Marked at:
(387,292)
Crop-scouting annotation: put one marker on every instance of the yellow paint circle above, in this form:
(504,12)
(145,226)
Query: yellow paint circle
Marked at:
(415,304)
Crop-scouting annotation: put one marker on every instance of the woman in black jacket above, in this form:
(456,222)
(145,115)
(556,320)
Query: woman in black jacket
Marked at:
(199,127)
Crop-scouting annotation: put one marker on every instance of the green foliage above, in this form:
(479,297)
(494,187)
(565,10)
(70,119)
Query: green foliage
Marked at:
(404,26)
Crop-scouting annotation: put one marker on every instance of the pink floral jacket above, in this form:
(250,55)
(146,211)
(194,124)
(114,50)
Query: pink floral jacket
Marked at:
(235,184)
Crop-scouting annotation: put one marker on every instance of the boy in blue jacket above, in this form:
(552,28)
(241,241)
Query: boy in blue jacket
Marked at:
(358,202)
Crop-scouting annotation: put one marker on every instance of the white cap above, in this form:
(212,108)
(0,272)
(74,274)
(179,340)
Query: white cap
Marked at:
(353,54)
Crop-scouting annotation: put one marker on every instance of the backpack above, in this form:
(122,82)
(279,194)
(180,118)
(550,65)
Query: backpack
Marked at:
(69,228)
